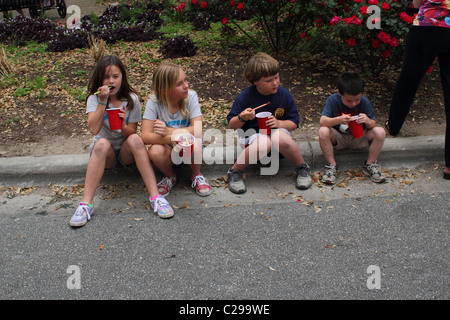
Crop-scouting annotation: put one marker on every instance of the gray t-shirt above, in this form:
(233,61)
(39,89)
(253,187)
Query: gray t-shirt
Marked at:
(155,110)
(115,137)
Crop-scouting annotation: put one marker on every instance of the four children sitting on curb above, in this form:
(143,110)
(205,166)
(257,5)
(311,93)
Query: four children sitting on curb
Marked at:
(174,108)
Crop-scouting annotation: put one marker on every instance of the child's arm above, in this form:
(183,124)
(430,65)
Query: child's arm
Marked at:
(149,136)
(331,122)
(246,115)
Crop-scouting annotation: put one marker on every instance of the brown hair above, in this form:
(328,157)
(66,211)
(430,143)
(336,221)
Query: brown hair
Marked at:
(96,80)
(164,80)
(261,65)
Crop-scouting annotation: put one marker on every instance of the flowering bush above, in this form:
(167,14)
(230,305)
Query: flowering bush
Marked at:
(279,21)
(367,34)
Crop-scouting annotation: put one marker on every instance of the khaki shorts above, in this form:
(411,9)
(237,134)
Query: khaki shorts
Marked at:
(346,140)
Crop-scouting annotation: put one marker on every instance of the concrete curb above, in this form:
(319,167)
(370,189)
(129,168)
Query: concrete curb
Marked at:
(397,152)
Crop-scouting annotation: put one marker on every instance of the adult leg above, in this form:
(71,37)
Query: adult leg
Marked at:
(444,65)
(419,55)
(102,157)
(134,150)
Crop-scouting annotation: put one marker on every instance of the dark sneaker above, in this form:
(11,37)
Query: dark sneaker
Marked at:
(235,181)
(386,124)
(373,171)
(303,180)
(330,175)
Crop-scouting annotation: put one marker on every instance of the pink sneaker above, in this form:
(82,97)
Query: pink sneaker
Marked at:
(165,185)
(201,185)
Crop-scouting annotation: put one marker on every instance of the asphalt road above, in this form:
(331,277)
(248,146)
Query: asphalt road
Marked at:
(360,241)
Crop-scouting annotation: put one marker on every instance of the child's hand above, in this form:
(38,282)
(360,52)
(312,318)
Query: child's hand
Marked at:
(104,93)
(272,122)
(345,118)
(248,114)
(159,127)
(362,118)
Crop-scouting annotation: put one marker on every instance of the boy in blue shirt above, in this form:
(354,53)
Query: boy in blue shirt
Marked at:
(262,72)
(340,108)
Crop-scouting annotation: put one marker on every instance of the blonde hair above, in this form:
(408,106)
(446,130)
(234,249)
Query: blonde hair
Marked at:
(261,65)
(164,80)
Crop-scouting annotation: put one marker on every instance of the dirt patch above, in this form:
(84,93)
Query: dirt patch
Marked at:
(52,120)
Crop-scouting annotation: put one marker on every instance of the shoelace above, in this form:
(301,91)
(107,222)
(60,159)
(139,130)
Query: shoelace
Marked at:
(165,182)
(330,170)
(159,202)
(79,212)
(373,168)
(200,180)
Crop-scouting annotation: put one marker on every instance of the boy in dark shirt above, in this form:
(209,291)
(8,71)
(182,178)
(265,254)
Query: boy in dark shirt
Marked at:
(262,72)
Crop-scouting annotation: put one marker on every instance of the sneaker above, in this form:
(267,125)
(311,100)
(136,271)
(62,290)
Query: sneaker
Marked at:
(330,174)
(235,181)
(165,185)
(373,171)
(82,215)
(303,180)
(386,124)
(201,185)
(161,206)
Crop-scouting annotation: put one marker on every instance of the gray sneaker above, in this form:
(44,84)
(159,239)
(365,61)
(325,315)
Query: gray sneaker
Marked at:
(330,174)
(373,171)
(303,180)
(235,181)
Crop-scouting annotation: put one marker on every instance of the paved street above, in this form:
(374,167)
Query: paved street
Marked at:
(261,245)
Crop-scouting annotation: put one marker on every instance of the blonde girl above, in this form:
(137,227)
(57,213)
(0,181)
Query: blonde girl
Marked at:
(173,110)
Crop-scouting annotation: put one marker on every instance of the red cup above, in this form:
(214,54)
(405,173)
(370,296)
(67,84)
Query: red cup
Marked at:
(262,118)
(356,129)
(186,142)
(115,122)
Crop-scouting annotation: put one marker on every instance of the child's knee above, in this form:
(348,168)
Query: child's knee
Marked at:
(101,147)
(379,133)
(135,141)
(324,133)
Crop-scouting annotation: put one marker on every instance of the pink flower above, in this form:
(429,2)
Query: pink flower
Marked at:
(335,20)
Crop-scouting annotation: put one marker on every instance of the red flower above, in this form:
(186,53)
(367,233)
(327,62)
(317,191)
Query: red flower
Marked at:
(203,4)
(225,20)
(394,42)
(358,1)
(233,3)
(194,1)
(301,36)
(376,43)
(363,10)
(351,42)
(385,6)
(386,53)
(373,2)
(383,36)
(240,6)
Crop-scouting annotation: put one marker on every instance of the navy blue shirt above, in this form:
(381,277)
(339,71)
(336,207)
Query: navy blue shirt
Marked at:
(335,108)
(282,106)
